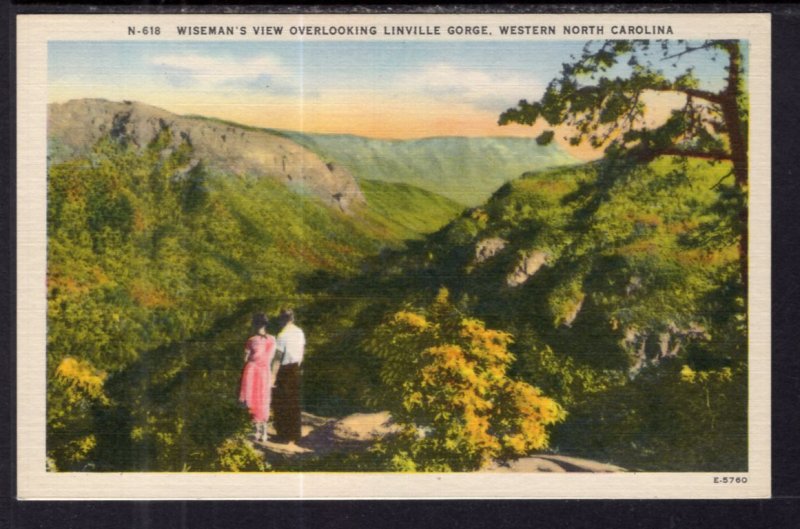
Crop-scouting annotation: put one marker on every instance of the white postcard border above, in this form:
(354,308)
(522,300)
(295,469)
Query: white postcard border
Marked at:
(33,482)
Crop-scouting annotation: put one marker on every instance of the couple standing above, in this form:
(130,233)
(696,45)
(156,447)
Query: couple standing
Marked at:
(274,362)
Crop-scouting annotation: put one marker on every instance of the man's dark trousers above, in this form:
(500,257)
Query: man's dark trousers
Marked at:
(286,403)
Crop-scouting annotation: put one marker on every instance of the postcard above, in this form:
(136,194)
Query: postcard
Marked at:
(313,256)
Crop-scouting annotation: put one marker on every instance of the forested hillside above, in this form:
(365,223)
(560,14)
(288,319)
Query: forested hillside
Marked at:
(620,290)
(155,262)
(595,310)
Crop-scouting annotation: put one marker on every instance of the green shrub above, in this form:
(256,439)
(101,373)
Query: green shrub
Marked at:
(238,455)
(669,418)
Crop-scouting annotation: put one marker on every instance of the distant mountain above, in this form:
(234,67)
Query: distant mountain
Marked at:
(75,126)
(467,170)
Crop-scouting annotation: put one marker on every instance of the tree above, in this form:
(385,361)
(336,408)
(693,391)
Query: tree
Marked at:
(601,99)
(447,386)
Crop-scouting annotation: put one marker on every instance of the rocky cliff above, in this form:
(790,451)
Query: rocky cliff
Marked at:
(75,126)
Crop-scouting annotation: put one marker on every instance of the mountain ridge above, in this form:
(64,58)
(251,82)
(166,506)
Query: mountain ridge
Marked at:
(462,168)
(76,125)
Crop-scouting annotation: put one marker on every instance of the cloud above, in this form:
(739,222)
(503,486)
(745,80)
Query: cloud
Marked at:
(486,89)
(224,72)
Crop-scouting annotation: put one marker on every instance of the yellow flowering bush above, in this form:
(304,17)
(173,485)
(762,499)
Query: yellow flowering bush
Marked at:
(76,390)
(447,386)
(82,381)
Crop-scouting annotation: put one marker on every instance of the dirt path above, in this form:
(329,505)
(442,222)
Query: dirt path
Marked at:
(325,436)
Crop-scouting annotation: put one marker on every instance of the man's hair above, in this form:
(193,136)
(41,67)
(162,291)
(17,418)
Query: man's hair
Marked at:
(287,315)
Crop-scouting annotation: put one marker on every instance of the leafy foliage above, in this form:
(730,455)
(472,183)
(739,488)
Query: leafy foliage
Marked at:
(236,455)
(154,264)
(629,284)
(598,100)
(446,384)
(670,418)
(77,391)
(684,300)
(610,111)
(621,282)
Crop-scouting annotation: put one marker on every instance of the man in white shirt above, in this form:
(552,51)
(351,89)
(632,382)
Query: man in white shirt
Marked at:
(291,344)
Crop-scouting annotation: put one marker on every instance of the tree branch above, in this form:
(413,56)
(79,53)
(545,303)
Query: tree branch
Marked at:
(689,49)
(689,153)
(693,92)
(729,173)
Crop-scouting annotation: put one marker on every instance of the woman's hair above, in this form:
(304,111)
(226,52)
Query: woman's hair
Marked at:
(259,320)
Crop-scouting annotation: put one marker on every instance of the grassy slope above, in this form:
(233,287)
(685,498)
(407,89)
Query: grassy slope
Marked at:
(401,211)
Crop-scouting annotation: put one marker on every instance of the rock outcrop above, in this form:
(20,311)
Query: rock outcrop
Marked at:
(553,463)
(528,265)
(652,349)
(358,432)
(75,126)
(488,248)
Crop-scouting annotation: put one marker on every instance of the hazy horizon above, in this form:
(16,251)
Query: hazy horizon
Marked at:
(376,89)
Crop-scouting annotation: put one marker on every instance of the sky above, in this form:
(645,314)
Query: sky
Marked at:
(379,89)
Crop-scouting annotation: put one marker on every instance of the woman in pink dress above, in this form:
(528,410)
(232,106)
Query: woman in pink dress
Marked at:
(256,377)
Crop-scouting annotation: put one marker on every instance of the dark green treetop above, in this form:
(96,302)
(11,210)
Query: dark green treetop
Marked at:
(600,98)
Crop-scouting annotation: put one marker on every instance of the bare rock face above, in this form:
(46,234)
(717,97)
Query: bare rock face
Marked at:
(365,427)
(651,349)
(77,125)
(488,248)
(554,463)
(528,265)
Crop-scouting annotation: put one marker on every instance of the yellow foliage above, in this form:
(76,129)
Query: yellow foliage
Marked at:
(639,247)
(486,343)
(412,320)
(516,442)
(651,219)
(83,379)
(481,216)
(448,377)
(69,285)
(707,257)
(451,356)
(80,448)
(442,297)
(100,277)
(694,377)
(237,455)
(687,374)
(87,443)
